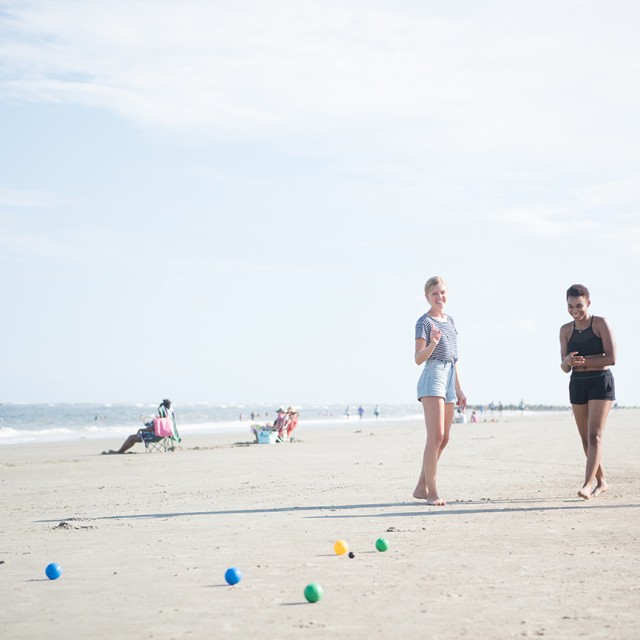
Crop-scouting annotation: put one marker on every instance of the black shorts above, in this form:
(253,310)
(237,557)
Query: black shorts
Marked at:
(591,385)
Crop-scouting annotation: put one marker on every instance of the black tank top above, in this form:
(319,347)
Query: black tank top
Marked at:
(585,342)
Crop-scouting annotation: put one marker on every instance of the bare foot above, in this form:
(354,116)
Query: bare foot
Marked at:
(601,487)
(437,502)
(420,495)
(584,493)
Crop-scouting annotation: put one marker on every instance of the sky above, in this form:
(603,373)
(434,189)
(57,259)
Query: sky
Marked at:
(240,201)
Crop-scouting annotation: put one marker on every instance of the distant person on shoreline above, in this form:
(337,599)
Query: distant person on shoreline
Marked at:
(148,433)
(588,349)
(376,411)
(439,385)
(360,412)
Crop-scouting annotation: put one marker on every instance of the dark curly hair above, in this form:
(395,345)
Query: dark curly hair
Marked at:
(577,290)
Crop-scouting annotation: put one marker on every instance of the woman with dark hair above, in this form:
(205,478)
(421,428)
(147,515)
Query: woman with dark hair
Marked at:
(148,433)
(588,350)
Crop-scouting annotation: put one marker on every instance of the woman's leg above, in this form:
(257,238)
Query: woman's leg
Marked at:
(434,417)
(448,421)
(581,415)
(129,442)
(597,410)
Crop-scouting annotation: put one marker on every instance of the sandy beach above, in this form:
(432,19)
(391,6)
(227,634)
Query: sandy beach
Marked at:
(144,539)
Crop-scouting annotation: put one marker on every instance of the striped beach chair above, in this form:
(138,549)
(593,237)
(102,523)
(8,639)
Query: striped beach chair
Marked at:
(165,434)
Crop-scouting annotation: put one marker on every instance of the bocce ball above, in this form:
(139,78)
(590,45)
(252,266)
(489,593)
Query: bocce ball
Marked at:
(233,575)
(313,592)
(340,547)
(53,571)
(382,544)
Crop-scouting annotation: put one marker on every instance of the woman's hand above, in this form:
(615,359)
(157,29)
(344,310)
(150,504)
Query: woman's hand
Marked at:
(461,399)
(435,335)
(574,360)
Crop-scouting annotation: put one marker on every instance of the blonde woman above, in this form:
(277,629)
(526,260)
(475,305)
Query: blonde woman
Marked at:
(588,349)
(439,385)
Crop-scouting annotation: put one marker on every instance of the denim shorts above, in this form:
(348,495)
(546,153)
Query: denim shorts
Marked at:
(438,379)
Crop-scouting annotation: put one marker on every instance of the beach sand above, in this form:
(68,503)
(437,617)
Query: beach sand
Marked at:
(148,537)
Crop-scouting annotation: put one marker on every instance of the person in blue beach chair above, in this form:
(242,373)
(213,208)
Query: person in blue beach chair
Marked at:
(274,426)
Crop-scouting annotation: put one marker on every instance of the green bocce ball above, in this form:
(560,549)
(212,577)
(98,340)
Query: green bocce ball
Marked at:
(313,592)
(382,544)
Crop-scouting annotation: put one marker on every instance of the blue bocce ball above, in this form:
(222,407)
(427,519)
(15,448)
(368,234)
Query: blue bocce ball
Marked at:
(53,571)
(233,575)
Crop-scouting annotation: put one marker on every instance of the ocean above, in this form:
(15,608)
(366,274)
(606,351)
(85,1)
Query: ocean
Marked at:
(30,423)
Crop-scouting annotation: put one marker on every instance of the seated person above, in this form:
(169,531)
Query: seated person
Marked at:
(148,433)
(460,417)
(289,424)
(277,424)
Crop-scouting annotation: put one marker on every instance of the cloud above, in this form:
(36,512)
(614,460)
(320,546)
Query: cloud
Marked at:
(583,230)
(524,114)
(259,68)
(27,245)
(14,198)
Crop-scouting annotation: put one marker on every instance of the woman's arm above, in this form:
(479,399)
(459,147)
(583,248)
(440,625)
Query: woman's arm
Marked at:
(603,330)
(564,340)
(569,360)
(461,398)
(424,350)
